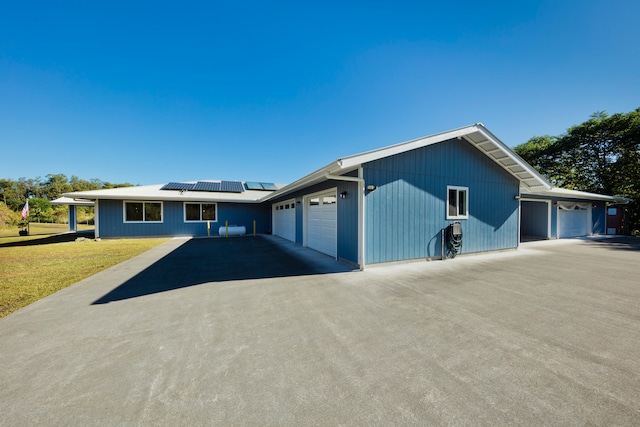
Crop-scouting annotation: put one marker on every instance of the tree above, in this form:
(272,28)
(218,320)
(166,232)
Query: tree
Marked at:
(56,185)
(600,155)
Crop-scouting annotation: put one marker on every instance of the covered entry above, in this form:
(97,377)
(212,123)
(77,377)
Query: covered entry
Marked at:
(534,219)
(321,222)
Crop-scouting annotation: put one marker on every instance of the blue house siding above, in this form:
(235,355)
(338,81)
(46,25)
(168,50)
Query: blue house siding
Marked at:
(245,214)
(347,212)
(73,218)
(111,221)
(404,216)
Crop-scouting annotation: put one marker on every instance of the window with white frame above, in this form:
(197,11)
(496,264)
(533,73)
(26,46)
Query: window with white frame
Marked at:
(142,211)
(457,202)
(200,212)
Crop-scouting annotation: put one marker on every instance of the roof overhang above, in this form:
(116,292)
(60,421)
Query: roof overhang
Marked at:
(72,201)
(155,193)
(574,194)
(476,135)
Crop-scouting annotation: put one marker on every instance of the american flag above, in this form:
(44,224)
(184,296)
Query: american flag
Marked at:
(25,210)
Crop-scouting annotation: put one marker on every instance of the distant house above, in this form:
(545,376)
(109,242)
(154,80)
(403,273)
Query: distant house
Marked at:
(390,204)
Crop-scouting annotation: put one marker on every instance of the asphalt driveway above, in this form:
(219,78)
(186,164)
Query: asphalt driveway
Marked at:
(189,333)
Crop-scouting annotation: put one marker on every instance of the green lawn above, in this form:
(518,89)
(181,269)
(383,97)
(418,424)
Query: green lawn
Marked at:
(33,267)
(42,228)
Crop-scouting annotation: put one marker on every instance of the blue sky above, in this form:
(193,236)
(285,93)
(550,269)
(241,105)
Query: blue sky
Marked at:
(151,92)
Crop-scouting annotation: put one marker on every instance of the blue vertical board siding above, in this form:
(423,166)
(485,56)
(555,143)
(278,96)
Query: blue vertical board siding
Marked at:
(111,220)
(347,214)
(348,221)
(404,216)
(245,214)
(599,218)
(72,218)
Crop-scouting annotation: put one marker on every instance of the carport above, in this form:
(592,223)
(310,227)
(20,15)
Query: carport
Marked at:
(561,214)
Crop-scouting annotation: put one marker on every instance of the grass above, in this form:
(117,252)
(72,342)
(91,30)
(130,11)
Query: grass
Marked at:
(33,267)
(42,228)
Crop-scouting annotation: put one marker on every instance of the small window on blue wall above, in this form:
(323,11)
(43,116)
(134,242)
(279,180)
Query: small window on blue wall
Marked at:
(457,202)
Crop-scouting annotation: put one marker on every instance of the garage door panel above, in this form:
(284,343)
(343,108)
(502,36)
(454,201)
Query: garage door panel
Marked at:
(284,220)
(573,223)
(322,218)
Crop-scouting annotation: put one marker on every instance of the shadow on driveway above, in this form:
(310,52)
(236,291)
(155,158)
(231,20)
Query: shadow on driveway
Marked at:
(55,238)
(626,243)
(201,261)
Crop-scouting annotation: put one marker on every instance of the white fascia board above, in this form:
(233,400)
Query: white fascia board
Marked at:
(499,152)
(154,192)
(496,150)
(71,201)
(311,179)
(575,194)
(369,156)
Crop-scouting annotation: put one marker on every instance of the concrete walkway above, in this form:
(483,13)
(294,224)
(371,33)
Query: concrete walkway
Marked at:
(546,335)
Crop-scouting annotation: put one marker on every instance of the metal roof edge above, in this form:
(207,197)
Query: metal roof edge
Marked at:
(315,176)
(519,160)
(390,150)
(576,194)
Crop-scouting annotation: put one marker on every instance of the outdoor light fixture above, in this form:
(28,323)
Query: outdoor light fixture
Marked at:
(343,195)
(371,187)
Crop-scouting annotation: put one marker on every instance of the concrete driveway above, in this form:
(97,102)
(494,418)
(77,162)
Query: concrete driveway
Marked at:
(546,335)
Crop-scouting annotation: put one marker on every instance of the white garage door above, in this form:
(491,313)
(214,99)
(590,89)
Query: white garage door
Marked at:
(573,219)
(284,219)
(322,220)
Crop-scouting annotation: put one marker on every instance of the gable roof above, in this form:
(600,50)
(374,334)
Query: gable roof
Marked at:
(476,135)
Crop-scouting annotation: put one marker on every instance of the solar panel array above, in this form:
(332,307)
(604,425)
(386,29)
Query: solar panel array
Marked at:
(207,186)
(231,187)
(178,186)
(269,186)
(221,187)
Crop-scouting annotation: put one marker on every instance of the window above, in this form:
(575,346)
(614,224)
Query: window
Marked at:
(200,212)
(457,202)
(329,200)
(142,211)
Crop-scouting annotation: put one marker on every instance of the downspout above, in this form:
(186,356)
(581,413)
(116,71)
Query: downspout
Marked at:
(360,182)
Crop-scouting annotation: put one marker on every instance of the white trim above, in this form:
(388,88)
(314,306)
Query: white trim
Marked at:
(124,212)
(361,219)
(466,202)
(191,221)
(96,219)
(274,208)
(360,213)
(305,213)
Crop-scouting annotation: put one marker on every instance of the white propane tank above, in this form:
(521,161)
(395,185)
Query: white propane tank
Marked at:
(234,230)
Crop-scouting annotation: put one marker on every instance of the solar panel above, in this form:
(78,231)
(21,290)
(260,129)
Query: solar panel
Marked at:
(178,186)
(269,186)
(253,185)
(207,186)
(231,187)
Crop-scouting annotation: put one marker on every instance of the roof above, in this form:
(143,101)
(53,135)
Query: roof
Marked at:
(70,201)
(531,182)
(155,192)
(574,194)
(476,135)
